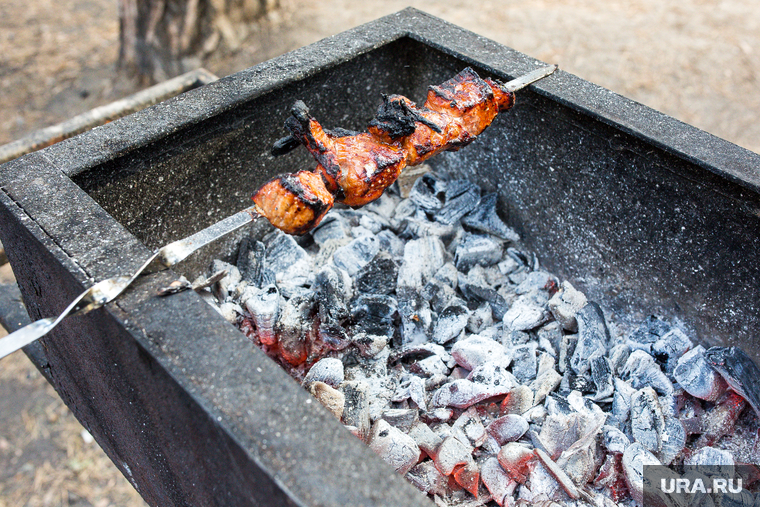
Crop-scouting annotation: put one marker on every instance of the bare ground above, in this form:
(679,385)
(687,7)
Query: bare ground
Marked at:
(697,60)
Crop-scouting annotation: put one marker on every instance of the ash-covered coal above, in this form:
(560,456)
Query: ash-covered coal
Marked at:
(421,324)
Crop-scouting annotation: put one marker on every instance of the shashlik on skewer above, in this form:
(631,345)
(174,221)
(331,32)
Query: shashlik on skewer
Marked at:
(355,168)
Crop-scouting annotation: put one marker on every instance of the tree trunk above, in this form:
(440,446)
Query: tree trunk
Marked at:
(160,39)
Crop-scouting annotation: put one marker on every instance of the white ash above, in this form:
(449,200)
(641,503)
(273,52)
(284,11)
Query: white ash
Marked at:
(421,324)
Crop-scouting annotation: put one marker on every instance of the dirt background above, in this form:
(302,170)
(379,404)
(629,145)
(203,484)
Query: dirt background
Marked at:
(696,60)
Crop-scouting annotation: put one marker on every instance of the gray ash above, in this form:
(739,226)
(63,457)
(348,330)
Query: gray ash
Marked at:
(422,325)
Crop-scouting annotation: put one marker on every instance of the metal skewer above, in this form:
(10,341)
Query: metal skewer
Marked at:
(106,291)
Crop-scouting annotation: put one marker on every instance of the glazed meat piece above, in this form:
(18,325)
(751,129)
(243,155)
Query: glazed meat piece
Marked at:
(294,203)
(356,167)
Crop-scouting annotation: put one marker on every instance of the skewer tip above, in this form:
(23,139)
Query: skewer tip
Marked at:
(529,78)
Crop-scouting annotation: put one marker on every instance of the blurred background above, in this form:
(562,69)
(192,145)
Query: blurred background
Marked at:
(696,60)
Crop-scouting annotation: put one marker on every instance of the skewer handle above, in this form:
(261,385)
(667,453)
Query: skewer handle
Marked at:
(107,290)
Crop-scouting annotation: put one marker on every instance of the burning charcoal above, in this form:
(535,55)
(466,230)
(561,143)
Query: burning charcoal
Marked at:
(425,438)
(448,274)
(721,419)
(378,276)
(425,192)
(430,366)
(356,407)
(333,227)
(647,419)
(565,304)
(476,350)
(710,456)
(451,322)
(478,294)
(670,346)
(356,254)
(464,393)
(293,323)
(328,370)
(263,304)
(469,429)
(508,428)
(493,375)
(440,295)
(612,478)
(225,286)
(391,244)
(468,476)
(332,399)
(621,401)
(739,371)
(333,288)
(451,453)
(566,351)
(558,405)
(642,370)
(537,281)
(485,219)
(673,440)
(384,205)
(373,314)
(230,311)
(369,345)
(508,265)
(634,459)
(251,261)
(549,338)
(477,249)
(593,337)
(524,362)
(518,401)
(517,460)
(615,440)
(480,318)
(497,481)
(618,356)
(545,383)
(412,228)
(601,374)
(525,314)
(559,432)
(405,209)
(559,475)
(412,352)
(545,362)
(697,378)
(285,255)
(401,418)
(394,447)
(458,205)
(423,257)
(426,477)
(648,333)
(415,317)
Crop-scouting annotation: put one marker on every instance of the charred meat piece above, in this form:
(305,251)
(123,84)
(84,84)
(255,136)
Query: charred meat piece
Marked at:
(294,203)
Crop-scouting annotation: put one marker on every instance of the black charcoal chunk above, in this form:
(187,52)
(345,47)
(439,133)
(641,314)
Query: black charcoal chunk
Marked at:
(601,375)
(741,373)
(412,228)
(477,249)
(593,337)
(373,314)
(333,290)
(283,252)
(391,243)
(524,362)
(479,294)
(251,262)
(427,192)
(647,419)
(415,316)
(648,333)
(332,227)
(356,254)
(642,370)
(451,322)
(485,219)
(463,200)
(378,276)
